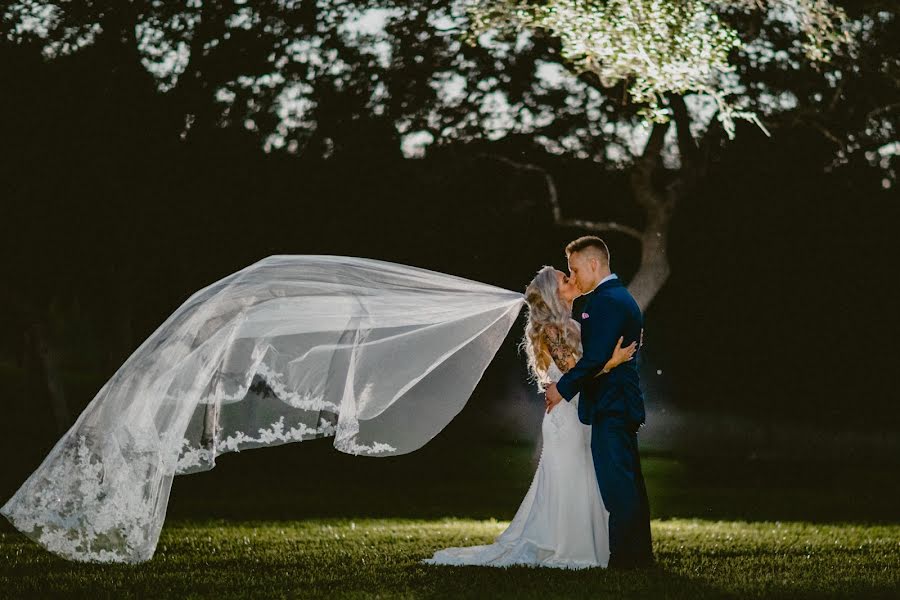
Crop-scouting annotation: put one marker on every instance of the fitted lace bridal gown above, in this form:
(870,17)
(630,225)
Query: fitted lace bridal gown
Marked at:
(562,521)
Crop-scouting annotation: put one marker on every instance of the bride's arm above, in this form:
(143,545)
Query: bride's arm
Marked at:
(620,355)
(565,363)
(559,352)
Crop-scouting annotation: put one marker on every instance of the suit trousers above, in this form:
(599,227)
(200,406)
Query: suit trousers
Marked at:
(618,465)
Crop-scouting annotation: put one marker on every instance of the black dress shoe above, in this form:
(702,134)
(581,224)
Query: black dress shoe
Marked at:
(630,562)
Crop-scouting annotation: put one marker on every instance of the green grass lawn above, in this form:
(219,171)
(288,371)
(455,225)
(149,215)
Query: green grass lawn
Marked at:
(379,557)
(303,520)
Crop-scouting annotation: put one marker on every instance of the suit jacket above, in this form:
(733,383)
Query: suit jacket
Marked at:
(607,313)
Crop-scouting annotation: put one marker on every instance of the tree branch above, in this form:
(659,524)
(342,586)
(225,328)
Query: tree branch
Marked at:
(838,92)
(553,196)
(644,167)
(813,120)
(600,227)
(881,110)
(687,145)
(827,133)
(650,158)
(695,154)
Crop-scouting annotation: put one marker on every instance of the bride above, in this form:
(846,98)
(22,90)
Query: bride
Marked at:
(562,521)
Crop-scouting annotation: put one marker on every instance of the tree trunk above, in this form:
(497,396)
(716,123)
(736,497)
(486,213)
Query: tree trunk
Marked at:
(658,207)
(659,203)
(654,268)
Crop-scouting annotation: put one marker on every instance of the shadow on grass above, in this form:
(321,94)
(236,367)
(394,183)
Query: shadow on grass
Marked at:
(455,477)
(482,582)
(477,480)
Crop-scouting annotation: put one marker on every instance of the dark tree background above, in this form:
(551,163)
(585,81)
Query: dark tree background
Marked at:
(120,197)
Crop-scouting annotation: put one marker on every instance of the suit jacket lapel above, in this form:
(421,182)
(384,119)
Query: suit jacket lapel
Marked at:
(606,285)
(586,299)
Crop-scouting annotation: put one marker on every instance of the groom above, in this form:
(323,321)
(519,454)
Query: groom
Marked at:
(611,402)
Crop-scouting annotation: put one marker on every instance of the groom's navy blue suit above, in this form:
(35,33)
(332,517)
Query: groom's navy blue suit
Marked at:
(614,407)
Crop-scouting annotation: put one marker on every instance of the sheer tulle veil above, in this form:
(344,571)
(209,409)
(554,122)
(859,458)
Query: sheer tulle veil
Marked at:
(380,356)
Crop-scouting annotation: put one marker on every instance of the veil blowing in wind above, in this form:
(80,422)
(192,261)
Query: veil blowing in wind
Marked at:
(378,355)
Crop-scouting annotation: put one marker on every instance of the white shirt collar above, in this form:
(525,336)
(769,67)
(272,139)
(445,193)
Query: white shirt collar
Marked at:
(605,279)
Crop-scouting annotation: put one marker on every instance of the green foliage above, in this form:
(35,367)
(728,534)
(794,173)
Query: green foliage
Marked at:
(661,47)
(308,77)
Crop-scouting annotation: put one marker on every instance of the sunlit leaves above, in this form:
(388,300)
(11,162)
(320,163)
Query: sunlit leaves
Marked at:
(660,47)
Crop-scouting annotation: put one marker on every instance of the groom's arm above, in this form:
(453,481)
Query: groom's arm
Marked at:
(600,333)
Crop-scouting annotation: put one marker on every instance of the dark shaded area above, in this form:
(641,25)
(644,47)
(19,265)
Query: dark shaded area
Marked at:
(781,300)
(488,480)
(782,290)
(782,303)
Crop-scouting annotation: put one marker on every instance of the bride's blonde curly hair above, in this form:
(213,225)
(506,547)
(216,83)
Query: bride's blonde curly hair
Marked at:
(548,319)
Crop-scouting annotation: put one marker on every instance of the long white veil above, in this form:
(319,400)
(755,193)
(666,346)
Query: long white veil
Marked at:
(379,355)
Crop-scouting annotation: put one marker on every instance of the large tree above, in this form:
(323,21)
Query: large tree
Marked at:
(365,79)
(651,87)
(632,68)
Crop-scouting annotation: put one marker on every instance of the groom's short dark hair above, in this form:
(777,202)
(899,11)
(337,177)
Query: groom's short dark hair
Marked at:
(588,241)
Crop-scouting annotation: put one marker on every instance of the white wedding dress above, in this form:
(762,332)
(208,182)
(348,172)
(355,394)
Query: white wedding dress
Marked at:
(562,521)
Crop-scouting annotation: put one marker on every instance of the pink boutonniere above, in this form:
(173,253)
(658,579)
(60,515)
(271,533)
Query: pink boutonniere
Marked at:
(584,315)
